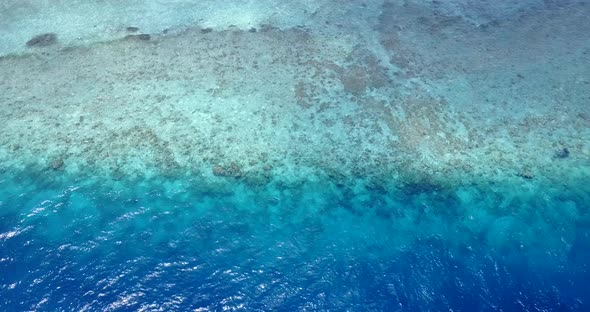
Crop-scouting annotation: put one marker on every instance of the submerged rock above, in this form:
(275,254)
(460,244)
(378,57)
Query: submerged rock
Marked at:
(142,37)
(42,40)
(526,174)
(562,153)
(132,29)
(57,164)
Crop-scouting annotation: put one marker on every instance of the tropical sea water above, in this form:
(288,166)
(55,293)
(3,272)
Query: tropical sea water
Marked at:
(164,244)
(325,155)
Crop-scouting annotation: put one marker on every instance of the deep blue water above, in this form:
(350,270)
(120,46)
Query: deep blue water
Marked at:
(77,244)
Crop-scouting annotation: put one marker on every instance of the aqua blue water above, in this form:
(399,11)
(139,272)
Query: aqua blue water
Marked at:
(171,244)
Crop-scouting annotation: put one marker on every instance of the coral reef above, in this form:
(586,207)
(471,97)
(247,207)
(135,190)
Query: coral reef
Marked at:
(42,40)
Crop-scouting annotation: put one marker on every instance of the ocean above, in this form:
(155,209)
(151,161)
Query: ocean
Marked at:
(325,155)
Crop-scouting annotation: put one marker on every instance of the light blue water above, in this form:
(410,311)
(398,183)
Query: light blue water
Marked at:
(168,244)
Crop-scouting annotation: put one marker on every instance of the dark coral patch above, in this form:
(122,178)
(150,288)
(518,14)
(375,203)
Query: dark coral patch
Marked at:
(229,170)
(42,40)
(142,37)
(562,153)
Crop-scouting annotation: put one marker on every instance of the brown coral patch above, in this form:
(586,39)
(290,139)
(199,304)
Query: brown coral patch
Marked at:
(228,170)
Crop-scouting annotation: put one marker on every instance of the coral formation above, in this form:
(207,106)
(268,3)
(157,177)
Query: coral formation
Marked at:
(42,40)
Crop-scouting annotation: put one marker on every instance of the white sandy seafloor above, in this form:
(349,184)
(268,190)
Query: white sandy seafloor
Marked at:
(385,94)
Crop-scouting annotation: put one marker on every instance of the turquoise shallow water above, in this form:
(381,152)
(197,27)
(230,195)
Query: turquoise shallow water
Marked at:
(173,244)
